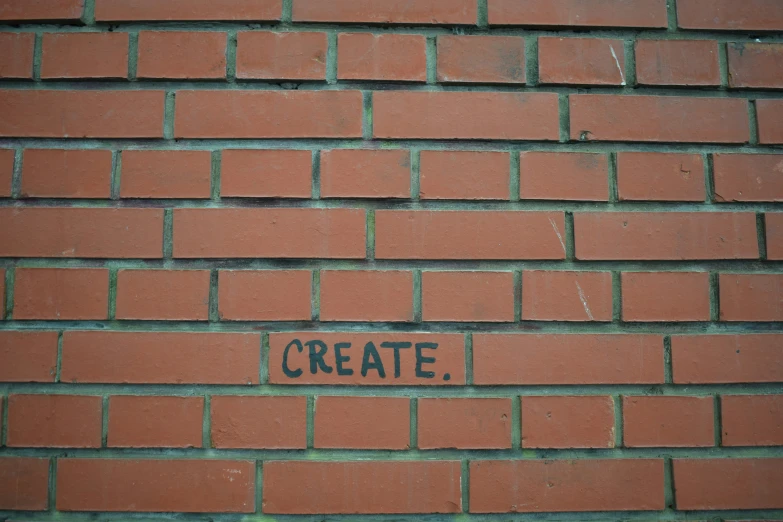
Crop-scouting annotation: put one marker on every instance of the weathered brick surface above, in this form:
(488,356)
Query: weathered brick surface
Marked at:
(155,422)
(62,55)
(677,62)
(386,57)
(53,173)
(481,59)
(728,15)
(375,423)
(17,55)
(186,10)
(667,421)
(410,260)
(589,485)
(242,422)
(569,13)
(285,56)
(581,61)
(567,422)
(661,176)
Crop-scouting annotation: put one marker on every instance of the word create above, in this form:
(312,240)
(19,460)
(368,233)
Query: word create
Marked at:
(367,358)
(343,359)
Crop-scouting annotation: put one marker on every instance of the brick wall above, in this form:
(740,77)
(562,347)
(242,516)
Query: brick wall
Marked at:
(393,258)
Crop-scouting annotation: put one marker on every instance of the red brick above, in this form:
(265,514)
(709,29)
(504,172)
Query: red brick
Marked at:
(481,59)
(453,174)
(6,171)
(465,115)
(54,421)
(677,62)
(362,422)
(464,423)
(267,114)
(28,357)
(468,296)
(597,13)
(727,358)
(606,117)
(81,232)
(375,487)
(754,520)
(665,236)
(81,114)
(751,297)
(269,232)
(566,296)
(181,55)
(387,11)
(285,56)
(365,173)
(366,295)
(155,422)
(259,422)
(567,422)
(184,10)
(61,293)
(41,10)
(667,421)
(532,486)
(755,65)
(751,15)
(173,295)
(264,295)
(666,296)
(660,176)
(266,173)
(84,55)
(410,349)
(770,121)
(441,234)
(712,484)
(525,359)
(166,174)
(564,176)
(774,225)
(160,357)
(16,54)
(748,177)
(24,482)
(581,61)
(383,57)
(191,486)
(66,173)
(752,420)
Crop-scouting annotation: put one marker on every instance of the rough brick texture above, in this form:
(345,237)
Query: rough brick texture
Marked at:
(481,59)
(472,260)
(155,422)
(677,62)
(667,421)
(287,56)
(17,60)
(581,61)
(53,173)
(387,57)
(181,55)
(259,422)
(568,422)
(371,422)
(62,55)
